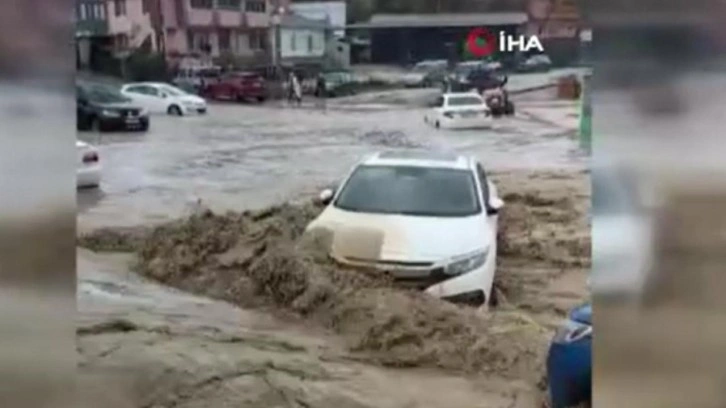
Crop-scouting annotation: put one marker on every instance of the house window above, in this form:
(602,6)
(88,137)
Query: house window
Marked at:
(100,11)
(146,6)
(310,43)
(198,41)
(202,4)
(230,4)
(255,6)
(293,42)
(83,11)
(224,40)
(257,39)
(120,6)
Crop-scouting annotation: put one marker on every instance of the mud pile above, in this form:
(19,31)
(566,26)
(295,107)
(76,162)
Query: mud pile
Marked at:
(258,259)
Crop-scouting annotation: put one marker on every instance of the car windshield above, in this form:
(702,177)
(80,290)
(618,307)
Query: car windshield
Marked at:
(103,94)
(173,91)
(464,101)
(417,191)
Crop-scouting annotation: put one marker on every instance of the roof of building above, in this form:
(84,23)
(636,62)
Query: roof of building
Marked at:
(418,158)
(442,20)
(298,21)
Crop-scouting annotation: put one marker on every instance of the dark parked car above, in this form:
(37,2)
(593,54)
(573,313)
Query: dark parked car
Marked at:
(477,76)
(338,83)
(104,108)
(238,86)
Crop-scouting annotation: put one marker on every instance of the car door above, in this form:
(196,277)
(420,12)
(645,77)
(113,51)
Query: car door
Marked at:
(157,100)
(136,94)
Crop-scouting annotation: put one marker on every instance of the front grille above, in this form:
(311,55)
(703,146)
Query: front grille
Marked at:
(129,112)
(424,280)
(412,275)
(384,263)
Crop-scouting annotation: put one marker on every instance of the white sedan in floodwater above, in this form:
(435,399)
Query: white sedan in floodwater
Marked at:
(428,218)
(88,173)
(459,110)
(159,97)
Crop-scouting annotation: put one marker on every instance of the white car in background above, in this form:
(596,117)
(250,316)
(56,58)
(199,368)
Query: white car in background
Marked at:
(459,110)
(159,97)
(418,76)
(88,173)
(428,218)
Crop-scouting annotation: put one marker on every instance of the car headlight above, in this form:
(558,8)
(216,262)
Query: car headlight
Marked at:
(144,112)
(466,263)
(189,103)
(572,331)
(111,113)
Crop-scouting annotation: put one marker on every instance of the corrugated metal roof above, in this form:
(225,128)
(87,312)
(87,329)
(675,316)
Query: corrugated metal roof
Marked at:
(442,20)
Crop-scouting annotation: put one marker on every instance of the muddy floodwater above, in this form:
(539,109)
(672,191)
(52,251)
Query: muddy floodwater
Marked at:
(241,157)
(193,292)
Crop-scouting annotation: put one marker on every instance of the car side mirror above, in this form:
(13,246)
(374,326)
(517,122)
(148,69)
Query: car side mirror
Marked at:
(326,196)
(495,205)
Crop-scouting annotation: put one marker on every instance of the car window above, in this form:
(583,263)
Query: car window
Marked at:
(418,191)
(135,89)
(152,91)
(173,91)
(103,94)
(464,101)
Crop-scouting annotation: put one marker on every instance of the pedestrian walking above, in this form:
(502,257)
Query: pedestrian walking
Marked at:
(294,90)
(320,91)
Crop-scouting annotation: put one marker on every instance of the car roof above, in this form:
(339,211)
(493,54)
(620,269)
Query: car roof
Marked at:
(420,158)
(462,94)
(147,83)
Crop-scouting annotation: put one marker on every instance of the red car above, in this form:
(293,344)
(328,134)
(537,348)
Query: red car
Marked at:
(237,86)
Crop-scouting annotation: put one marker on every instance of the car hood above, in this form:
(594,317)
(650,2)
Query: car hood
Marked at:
(116,105)
(401,238)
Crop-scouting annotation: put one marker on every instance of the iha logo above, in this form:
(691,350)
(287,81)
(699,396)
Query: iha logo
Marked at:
(482,43)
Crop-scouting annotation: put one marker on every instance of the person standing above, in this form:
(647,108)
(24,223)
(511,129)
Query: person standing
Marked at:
(296,89)
(321,91)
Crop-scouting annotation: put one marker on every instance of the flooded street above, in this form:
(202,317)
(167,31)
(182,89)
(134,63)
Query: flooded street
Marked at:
(245,156)
(227,310)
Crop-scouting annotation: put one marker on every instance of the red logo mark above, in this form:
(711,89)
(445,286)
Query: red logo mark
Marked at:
(474,42)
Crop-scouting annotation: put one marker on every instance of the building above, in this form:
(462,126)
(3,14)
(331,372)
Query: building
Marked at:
(302,41)
(332,11)
(558,24)
(111,29)
(408,38)
(215,28)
